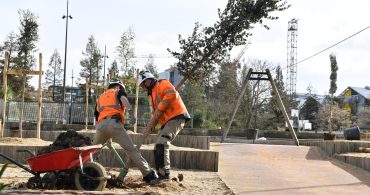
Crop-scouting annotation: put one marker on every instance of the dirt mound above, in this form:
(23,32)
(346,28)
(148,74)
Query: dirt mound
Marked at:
(66,140)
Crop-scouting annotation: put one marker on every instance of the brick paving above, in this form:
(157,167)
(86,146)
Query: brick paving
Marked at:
(281,169)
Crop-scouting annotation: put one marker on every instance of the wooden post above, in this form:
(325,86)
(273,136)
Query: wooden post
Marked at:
(136,99)
(38,129)
(21,109)
(282,108)
(5,88)
(87,104)
(244,87)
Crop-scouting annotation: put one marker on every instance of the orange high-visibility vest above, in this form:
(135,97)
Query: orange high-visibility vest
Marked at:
(108,104)
(165,98)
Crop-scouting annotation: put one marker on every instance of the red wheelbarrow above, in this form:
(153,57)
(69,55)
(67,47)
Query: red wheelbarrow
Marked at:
(88,175)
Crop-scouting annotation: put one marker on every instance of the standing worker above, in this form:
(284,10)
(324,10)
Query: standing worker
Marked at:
(109,114)
(168,110)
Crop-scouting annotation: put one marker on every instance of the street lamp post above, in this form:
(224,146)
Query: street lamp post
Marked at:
(67,16)
(105,56)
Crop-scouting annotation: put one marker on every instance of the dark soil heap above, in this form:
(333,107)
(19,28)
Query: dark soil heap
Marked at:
(61,179)
(67,140)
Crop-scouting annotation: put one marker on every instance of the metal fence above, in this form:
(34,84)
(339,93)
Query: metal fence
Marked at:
(66,113)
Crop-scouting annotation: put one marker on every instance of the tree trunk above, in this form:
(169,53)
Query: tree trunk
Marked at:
(54,83)
(330,114)
(181,83)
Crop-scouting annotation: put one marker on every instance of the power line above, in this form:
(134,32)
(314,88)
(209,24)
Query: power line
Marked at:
(154,56)
(333,45)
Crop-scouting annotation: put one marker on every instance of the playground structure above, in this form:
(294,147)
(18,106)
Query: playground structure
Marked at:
(24,73)
(258,77)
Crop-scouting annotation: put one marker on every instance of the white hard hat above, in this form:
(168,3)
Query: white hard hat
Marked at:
(117,83)
(145,75)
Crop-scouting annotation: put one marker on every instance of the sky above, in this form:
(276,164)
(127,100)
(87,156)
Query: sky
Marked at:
(157,24)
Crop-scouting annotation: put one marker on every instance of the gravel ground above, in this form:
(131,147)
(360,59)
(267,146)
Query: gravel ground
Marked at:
(195,182)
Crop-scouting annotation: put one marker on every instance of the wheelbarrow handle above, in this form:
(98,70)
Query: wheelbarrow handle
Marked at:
(20,165)
(27,151)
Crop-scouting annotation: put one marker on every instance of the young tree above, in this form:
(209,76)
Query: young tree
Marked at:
(126,52)
(274,116)
(227,91)
(333,84)
(25,46)
(340,118)
(91,64)
(113,71)
(150,66)
(27,39)
(53,75)
(28,36)
(10,45)
(363,119)
(203,49)
(309,109)
(193,96)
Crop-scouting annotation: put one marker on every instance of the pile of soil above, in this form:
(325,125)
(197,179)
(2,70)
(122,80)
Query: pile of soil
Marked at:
(66,140)
(64,179)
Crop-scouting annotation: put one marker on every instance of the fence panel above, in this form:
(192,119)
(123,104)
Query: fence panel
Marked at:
(73,113)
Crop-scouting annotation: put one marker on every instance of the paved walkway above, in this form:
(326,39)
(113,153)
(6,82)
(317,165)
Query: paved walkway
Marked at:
(277,169)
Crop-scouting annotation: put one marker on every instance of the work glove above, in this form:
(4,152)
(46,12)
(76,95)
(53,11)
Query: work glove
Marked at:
(152,123)
(149,127)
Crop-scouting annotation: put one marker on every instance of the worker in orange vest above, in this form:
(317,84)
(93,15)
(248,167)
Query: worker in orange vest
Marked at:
(109,114)
(169,111)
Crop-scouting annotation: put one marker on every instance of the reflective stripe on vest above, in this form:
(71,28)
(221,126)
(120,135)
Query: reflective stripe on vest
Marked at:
(108,104)
(116,105)
(176,107)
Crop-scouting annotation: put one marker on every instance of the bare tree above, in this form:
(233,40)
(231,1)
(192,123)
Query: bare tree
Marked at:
(151,67)
(257,96)
(340,118)
(53,75)
(363,119)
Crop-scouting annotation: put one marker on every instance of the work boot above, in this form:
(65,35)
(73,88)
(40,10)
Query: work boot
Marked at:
(163,174)
(151,178)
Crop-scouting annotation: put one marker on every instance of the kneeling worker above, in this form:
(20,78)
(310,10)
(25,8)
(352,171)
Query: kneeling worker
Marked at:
(109,114)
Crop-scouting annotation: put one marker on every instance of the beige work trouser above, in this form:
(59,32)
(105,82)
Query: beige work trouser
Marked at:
(170,130)
(109,128)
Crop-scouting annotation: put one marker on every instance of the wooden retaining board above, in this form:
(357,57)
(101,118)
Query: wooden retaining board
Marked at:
(337,146)
(198,142)
(361,160)
(181,158)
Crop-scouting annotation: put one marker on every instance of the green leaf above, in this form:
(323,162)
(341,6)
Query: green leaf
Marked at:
(2,186)
(3,169)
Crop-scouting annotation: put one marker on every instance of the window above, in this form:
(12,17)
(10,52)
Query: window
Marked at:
(172,77)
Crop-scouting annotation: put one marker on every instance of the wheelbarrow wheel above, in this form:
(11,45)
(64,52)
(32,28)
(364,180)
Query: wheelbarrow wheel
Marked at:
(91,182)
